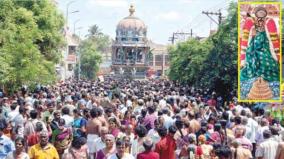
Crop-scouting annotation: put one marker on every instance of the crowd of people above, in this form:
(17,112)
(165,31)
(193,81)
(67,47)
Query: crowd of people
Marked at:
(127,119)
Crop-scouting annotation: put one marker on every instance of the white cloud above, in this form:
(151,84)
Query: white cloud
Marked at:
(169,16)
(109,3)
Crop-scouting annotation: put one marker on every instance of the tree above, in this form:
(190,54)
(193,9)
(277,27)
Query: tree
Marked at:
(94,31)
(90,59)
(50,24)
(210,64)
(91,50)
(188,57)
(22,62)
(220,67)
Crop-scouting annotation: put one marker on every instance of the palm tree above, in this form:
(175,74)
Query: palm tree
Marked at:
(94,31)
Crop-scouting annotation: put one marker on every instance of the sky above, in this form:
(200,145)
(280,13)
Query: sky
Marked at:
(162,17)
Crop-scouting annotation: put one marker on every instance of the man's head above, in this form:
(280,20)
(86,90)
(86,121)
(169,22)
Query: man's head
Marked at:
(61,123)
(78,142)
(103,132)
(76,112)
(201,139)
(147,144)
(65,111)
(239,131)
(3,125)
(94,112)
(22,110)
(141,131)
(266,134)
(274,130)
(13,106)
(238,120)
(172,130)
(108,111)
(56,115)
(162,131)
(120,146)
(264,122)
(223,152)
(191,138)
(33,114)
(43,138)
(50,105)
(38,127)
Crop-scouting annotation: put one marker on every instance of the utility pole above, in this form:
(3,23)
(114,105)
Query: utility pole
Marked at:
(172,39)
(219,14)
(176,34)
(79,54)
(74,24)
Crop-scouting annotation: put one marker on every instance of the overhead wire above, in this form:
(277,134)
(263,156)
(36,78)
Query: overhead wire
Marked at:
(197,20)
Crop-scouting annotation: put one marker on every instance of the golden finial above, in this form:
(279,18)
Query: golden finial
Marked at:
(131,10)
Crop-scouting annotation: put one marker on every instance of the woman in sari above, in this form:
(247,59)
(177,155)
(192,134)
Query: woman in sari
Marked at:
(109,149)
(19,153)
(61,137)
(113,126)
(259,57)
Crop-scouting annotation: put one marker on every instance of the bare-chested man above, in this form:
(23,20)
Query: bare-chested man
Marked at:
(93,129)
(102,118)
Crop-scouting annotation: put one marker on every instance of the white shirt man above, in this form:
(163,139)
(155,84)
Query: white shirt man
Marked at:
(253,127)
(68,120)
(267,148)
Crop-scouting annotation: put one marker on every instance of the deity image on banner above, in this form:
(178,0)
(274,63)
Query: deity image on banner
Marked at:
(259,52)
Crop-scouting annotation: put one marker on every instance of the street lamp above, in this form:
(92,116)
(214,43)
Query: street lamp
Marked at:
(76,11)
(78,28)
(67,11)
(79,56)
(74,25)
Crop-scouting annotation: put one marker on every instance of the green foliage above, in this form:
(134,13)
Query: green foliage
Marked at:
(50,22)
(210,64)
(91,50)
(22,59)
(220,68)
(90,59)
(187,59)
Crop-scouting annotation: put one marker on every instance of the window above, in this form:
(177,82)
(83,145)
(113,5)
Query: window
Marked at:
(123,39)
(135,39)
(71,50)
(158,60)
(129,33)
(70,67)
(167,60)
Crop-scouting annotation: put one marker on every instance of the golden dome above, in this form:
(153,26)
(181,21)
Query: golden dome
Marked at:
(131,22)
(260,90)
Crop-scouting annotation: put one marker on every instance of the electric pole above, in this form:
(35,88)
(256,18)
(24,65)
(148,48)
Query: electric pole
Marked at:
(177,34)
(219,14)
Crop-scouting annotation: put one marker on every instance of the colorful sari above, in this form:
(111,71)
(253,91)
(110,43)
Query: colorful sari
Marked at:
(61,139)
(260,63)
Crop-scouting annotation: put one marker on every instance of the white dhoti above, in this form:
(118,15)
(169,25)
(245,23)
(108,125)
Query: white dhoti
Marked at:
(91,142)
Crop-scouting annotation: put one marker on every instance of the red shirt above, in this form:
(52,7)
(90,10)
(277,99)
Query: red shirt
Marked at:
(148,155)
(166,147)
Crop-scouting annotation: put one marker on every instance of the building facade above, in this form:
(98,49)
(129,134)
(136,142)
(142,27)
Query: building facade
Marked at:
(159,61)
(65,69)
